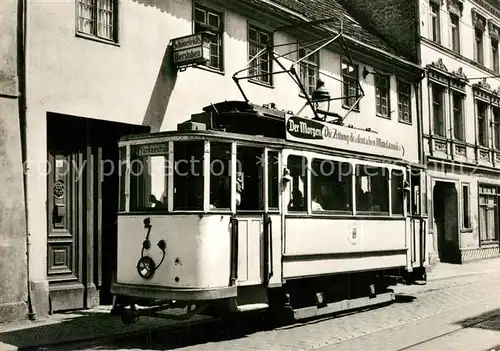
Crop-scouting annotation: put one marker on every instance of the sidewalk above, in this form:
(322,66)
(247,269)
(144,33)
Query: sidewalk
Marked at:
(98,324)
(447,270)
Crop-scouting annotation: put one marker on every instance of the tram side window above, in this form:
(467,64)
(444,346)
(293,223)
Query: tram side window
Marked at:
(188,175)
(415,194)
(397,192)
(148,179)
(331,186)
(220,175)
(273,180)
(298,187)
(372,190)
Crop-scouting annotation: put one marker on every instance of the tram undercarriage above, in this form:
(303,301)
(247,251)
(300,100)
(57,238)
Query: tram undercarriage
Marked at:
(296,300)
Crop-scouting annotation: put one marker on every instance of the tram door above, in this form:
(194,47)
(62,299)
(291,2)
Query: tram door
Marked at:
(250,215)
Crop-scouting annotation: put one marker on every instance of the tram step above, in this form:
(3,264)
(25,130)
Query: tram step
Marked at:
(252,307)
(344,305)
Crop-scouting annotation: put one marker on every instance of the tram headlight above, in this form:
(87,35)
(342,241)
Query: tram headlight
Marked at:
(406,187)
(286,176)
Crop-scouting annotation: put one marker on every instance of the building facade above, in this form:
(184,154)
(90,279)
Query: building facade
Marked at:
(98,70)
(459,48)
(457,43)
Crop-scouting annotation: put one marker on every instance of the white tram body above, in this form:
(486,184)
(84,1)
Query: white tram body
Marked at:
(269,244)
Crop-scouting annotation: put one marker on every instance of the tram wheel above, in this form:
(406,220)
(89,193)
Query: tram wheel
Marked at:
(128,318)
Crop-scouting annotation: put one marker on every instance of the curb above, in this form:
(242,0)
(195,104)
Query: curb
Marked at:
(87,341)
(465,274)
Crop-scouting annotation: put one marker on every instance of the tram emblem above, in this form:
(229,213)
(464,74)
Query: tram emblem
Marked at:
(353,236)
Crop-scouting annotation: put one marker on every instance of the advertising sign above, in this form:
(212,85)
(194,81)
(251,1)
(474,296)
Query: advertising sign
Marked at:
(340,137)
(191,49)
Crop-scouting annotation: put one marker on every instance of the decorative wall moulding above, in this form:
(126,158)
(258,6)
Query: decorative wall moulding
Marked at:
(478,20)
(455,7)
(494,30)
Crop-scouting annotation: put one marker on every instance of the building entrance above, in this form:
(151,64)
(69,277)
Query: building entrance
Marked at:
(82,203)
(445,208)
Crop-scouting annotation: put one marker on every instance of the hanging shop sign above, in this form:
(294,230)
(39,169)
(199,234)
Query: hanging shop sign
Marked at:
(192,49)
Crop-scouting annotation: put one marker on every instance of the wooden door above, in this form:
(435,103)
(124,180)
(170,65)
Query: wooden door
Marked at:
(69,235)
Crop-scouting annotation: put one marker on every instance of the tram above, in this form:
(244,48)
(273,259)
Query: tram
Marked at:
(227,214)
(246,207)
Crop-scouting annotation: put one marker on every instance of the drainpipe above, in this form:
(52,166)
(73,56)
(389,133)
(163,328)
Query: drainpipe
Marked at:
(21,60)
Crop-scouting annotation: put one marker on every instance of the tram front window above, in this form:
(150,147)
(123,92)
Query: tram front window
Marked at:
(188,175)
(220,175)
(331,186)
(372,190)
(148,177)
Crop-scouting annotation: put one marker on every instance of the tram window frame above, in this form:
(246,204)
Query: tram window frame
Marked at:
(381,189)
(225,168)
(141,180)
(397,192)
(273,180)
(180,149)
(250,177)
(336,181)
(296,172)
(415,207)
(122,193)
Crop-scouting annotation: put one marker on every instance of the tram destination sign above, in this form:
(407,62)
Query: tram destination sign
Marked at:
(340,137)
(191,49)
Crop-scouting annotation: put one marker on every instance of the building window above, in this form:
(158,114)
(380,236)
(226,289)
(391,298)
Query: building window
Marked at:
(350,85)
(458,116)
(478,54)
(482,123)
(496,128)
(382,91)
(494,55)
(309,69)
(262,65)
(455,32)
(435,23)
(206,20)
(488,214)
(465,207)
(98,18)
(404,102)
(438,109)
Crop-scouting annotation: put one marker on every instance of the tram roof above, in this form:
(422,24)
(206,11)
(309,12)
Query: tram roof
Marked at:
(243,126)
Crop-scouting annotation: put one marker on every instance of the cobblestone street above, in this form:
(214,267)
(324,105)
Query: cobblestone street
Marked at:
(454,314)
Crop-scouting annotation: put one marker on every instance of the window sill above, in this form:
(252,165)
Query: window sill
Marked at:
(96,39)
(211,69)
(388,117)
(345,107)
(466,230)
(262,84)
(488,244)
(405,122)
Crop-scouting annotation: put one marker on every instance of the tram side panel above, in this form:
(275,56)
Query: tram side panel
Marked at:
(197,250)
(333,246)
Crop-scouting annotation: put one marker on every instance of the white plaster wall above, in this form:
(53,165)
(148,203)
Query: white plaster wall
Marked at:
(81,77)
